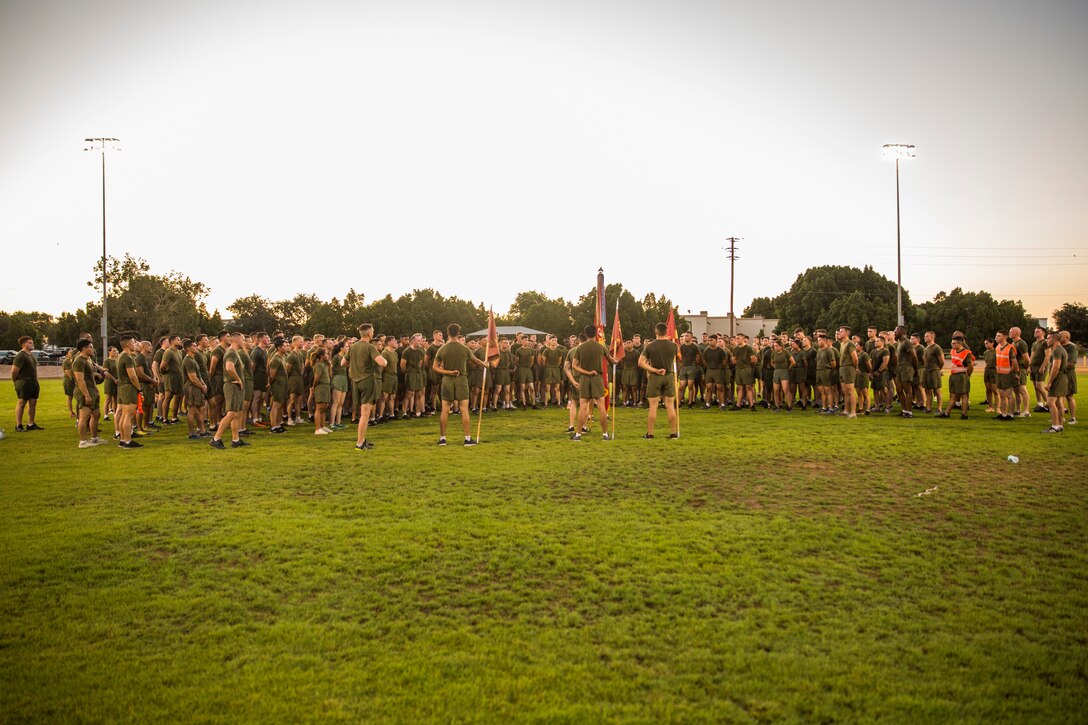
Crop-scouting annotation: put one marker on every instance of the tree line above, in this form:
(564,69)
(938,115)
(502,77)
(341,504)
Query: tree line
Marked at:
(821,297)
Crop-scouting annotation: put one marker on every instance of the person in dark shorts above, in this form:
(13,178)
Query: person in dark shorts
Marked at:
(588,363)
(451,363)
(86,394)
(959,382)
(1057,384)
(194,390)
(657,359)
(24,373)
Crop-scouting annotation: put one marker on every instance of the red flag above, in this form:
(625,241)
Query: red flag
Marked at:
(492,337)
(670,332)
(617,337)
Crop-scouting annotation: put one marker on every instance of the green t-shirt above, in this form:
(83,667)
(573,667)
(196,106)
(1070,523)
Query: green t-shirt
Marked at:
(1038,353)
(877,357)
(453,356)
(413,359)
(1058,355)
(824,357)
(392,361)
(630,359)
(171,358)
(846,358)
(590,355)
(864,364)
(990,358)
(216,355)
(781,360)
(28,365)
(201,357)
(259,357)
(525,356)
(125,362)
(506,360)
(934,357)
(142,365)
(552,358)
(159,354)
(295,361)
(277,365)
(1071,355)
(743,355)
(247,374)
(1021,351)
(688,354)
(661,354)
(339,370)
(85,366)
(904,349)
(232,356)
(321,374)
(361,359)
(714,357)
(189,366)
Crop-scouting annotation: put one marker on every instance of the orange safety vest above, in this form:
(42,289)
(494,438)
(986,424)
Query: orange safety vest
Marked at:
(1004,358)
(959,360)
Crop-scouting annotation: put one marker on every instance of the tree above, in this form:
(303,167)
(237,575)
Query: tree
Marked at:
(17,324)
(820,295)
(253,313)
(536,310)
(1073,317)
(760,307)
(150,305)
(295,312)
(977,314)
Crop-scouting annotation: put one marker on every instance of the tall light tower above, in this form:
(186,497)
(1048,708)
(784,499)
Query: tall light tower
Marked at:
(732,249)
(102,145)
(898,151)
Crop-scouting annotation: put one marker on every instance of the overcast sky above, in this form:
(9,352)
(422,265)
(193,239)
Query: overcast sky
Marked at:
(484,148)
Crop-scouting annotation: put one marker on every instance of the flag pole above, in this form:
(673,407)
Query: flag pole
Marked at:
(483,392)
(613,381)
(675,393)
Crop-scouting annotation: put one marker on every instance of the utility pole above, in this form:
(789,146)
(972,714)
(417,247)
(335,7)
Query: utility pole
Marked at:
(732,276)
(102,145)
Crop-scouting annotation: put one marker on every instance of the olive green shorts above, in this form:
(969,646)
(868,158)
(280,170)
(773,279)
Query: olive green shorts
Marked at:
(880,380)
(454,389)
(194,396)
(389,384)
(91,402)
(1060,387)
(629,377)
(590,387)
(69,387)
(861,382)
(660,386)
(215,387)
(904,373)
(501,376)
(727,374)
(688,372)
(234,397)
(415,380)
(1007,381)
(989,376)
(170,383)
(553,376)
(523,376)
(959,384)
(797,375)
(715,376)
(823,378)
(340,382)
(780,375)
(931,379)
(27,389)
(126,395)
(366,390)
(1071,380)
(848,375)
(295,386)
(278,391)
(322,393)
(745,376)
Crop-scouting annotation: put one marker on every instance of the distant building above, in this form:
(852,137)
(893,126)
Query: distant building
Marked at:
(750,326)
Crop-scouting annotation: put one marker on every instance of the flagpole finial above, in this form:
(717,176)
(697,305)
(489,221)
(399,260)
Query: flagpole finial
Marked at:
(600,270)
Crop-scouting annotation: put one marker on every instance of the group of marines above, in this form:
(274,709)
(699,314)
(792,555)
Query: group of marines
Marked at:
(226,383)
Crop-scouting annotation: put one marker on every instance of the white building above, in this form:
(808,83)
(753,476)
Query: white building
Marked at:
(750,326)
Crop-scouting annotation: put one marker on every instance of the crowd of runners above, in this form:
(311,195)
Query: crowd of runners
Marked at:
(227,387)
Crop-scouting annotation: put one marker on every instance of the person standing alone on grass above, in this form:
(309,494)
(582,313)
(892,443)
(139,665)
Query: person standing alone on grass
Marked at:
(24,373)
(588,362)
(657,360)
(451,364)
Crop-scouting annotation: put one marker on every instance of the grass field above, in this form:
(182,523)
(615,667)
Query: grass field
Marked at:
(764,567)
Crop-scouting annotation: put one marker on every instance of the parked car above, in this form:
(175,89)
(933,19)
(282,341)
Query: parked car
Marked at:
(7,357)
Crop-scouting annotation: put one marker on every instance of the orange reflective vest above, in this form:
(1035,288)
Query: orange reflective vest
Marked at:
(1004,358)
(959,360)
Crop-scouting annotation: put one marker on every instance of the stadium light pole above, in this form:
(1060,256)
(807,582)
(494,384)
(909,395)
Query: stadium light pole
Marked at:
(102,145)
(898,151)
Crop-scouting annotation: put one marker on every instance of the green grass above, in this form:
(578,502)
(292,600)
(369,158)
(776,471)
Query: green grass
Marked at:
(764,567)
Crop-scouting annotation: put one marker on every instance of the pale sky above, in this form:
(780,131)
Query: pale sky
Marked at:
(484,148)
